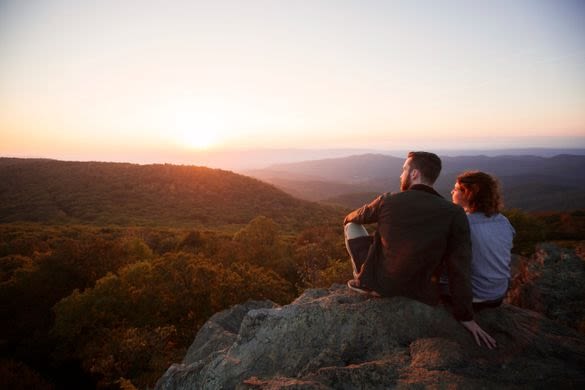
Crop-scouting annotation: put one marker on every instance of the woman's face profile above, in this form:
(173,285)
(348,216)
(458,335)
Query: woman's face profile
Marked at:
(458,195)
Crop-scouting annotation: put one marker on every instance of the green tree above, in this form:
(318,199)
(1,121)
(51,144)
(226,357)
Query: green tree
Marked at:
(311,258)
(315,250)
(260,243)
(10,265)
(153,309)
(337,271)
(529,231)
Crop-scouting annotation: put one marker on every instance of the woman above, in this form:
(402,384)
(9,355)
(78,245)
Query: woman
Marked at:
(491,236)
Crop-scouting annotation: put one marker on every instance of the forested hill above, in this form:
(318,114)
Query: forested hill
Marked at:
(53,191)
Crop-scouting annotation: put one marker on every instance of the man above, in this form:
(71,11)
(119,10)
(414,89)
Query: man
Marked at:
(419,234)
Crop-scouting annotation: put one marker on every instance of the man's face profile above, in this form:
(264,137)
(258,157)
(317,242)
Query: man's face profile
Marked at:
(405,181)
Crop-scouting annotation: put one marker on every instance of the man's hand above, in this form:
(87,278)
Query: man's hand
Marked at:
(479,334)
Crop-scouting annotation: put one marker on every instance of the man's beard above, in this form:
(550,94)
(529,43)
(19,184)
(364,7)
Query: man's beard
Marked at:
(406,183)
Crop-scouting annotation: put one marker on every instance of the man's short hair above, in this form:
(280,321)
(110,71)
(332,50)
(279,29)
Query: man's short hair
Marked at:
(428,164)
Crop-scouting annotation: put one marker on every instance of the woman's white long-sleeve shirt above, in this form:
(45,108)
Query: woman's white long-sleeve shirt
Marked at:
(491,245)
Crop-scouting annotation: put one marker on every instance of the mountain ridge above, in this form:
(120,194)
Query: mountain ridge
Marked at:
(44,190)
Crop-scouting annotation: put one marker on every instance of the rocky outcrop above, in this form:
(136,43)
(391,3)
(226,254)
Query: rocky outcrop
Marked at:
(221,330)
(552,282)
(338,339)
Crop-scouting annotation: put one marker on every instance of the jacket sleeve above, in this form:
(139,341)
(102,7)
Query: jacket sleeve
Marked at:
(458,259)
(367,213)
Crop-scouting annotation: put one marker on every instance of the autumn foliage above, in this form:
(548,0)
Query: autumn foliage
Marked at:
(121,304)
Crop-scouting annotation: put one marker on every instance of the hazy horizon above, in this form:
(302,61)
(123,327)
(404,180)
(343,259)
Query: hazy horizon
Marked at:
(179,81)
(250,159)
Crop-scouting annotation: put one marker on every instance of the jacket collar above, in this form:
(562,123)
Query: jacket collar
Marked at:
(424,188)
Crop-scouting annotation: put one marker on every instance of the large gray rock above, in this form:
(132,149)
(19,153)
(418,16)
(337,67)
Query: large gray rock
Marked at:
(221,330)
(337,339)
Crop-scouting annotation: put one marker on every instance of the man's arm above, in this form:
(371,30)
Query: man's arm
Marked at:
(366,214)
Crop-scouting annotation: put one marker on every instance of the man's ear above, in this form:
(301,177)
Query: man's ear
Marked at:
(414,174)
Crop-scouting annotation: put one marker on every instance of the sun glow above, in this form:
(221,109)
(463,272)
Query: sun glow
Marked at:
(195,126)
(199,139)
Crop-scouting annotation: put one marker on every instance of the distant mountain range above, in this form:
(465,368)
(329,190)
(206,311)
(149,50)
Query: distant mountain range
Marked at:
(101,193)
(243,159)
(531,183)
(240,160)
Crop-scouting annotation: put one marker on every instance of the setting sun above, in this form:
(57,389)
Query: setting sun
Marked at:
(193,128)
(199,139)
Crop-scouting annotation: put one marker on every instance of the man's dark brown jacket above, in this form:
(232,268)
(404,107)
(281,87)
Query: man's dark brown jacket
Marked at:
(419,234)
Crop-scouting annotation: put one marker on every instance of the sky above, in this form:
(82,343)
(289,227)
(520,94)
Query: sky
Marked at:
(171,81)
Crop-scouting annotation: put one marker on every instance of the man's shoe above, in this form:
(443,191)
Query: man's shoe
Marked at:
(354,285)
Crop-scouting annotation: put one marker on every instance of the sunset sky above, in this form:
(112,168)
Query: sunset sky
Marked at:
(147,80)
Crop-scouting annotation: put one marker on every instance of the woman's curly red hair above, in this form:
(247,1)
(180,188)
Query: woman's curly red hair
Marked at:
(482,192)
